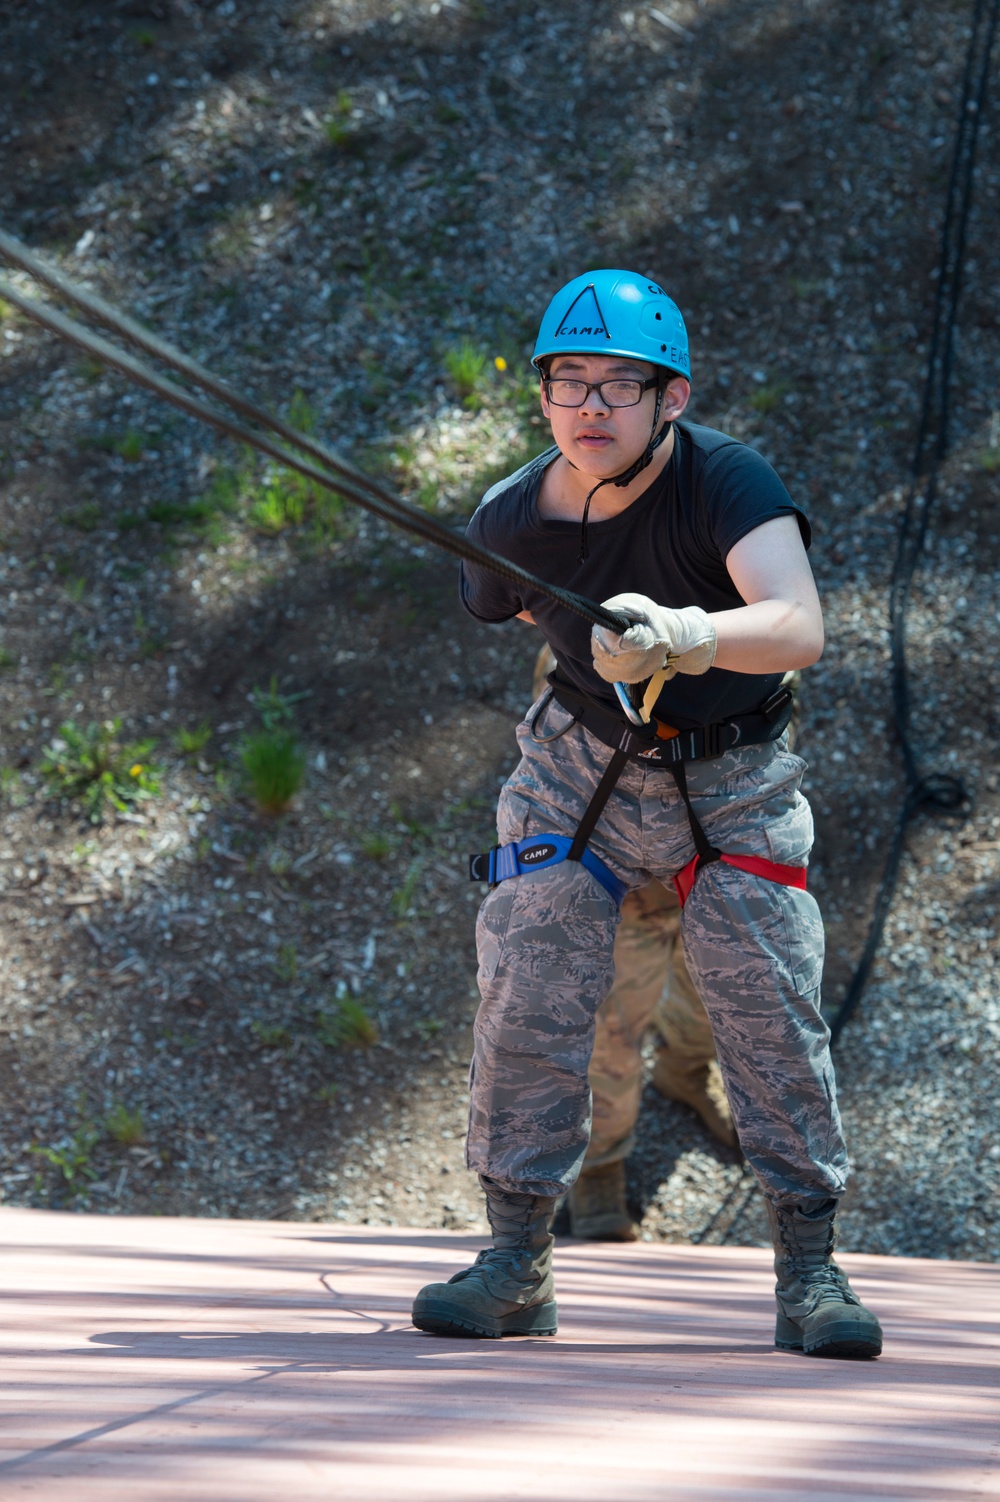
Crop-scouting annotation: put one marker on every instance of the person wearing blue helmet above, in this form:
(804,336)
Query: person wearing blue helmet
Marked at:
(657,753)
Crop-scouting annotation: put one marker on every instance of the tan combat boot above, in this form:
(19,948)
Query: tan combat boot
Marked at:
(597,1209)
(698,1085)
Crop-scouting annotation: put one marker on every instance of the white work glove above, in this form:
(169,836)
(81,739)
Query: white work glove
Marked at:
(678,641)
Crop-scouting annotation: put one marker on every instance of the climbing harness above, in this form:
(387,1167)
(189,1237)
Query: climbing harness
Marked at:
(659,744)
(656,744)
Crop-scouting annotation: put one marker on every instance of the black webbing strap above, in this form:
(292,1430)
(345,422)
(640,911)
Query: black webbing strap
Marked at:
(643,743)
(706,850)
(595,807)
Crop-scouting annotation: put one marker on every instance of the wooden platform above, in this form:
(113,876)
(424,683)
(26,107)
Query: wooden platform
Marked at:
(236,1361)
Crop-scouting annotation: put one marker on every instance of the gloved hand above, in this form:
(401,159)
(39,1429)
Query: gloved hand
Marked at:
(681,641)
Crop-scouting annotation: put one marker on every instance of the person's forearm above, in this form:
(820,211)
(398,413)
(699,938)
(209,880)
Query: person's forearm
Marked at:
(772,636)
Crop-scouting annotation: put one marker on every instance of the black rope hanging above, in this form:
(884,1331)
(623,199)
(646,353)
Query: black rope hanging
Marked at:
(938,792)
(336,473)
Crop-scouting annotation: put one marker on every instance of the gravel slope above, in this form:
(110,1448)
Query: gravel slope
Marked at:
(331,198)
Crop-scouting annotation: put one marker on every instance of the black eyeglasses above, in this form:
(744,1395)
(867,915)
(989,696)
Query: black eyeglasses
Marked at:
(626,392)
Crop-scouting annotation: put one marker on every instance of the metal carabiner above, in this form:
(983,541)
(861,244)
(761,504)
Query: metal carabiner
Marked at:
(625,700)
(543,740)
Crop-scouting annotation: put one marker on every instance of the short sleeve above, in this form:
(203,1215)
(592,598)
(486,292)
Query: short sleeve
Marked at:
(485,595)
(741,491)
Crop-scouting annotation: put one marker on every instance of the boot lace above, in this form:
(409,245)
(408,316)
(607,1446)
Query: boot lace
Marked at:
(823,1282)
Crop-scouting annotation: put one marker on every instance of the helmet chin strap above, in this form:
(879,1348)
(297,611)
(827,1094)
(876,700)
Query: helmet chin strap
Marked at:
(627,475)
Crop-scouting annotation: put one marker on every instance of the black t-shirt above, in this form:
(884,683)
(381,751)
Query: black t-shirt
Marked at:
(670,544)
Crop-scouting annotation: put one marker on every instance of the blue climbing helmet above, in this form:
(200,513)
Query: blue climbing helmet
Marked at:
(615,313)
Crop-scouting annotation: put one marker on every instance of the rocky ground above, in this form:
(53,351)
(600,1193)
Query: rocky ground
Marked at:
(356,210)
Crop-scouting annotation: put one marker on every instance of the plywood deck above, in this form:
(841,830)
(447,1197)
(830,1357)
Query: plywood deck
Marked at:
(249,1362)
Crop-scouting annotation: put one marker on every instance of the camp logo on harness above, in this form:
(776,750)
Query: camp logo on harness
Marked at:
(583,316)
(653,754)
(535,855)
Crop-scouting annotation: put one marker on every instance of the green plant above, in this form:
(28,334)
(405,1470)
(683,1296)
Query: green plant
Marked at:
(92,767)
(125,1126)
(989,459)
(402,899)
(151,640)
(7,660)
(176,514)
(12,793)
(276,505)
(429,1028)
(76,588)
(378,846)
(85,518)
(327,1094)
(347,1023)
(72,1156)
(413,827)
(287,499)
(274,765)
(57,681)
(192,742)
(466,365)
(766,398)
(131,445)
(271,1035)
(90,369)
(6,311)
(276,709)
(338,127)
(286,963)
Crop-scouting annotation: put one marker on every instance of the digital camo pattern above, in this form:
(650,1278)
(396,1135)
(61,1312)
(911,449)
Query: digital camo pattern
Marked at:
(651,987)
(754,949)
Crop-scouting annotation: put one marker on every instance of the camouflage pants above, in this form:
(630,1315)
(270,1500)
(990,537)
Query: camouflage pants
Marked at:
(754,949)
(652,988)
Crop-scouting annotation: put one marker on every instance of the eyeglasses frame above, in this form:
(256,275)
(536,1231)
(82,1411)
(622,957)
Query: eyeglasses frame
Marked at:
(647,385)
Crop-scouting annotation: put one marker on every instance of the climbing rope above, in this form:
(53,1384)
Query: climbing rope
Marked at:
(938,792)
(336,473)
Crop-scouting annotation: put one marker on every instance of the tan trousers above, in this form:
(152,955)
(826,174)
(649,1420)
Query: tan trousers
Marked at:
(652,988)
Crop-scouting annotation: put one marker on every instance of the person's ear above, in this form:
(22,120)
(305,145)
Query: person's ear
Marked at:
(546,409)
(676,395)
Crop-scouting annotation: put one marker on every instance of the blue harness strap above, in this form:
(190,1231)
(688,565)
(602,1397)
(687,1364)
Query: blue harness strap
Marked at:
(541,850)
(534,854)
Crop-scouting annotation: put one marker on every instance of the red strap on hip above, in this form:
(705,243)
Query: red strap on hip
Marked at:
(756,865)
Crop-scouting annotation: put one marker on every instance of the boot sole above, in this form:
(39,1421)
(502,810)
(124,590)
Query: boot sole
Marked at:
(437,1317)
(848,1340)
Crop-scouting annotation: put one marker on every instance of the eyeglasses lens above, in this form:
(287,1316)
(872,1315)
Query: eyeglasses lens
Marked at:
(564,393)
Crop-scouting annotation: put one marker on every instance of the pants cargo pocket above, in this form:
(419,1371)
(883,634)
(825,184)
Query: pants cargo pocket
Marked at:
(806,941)
(491,929)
